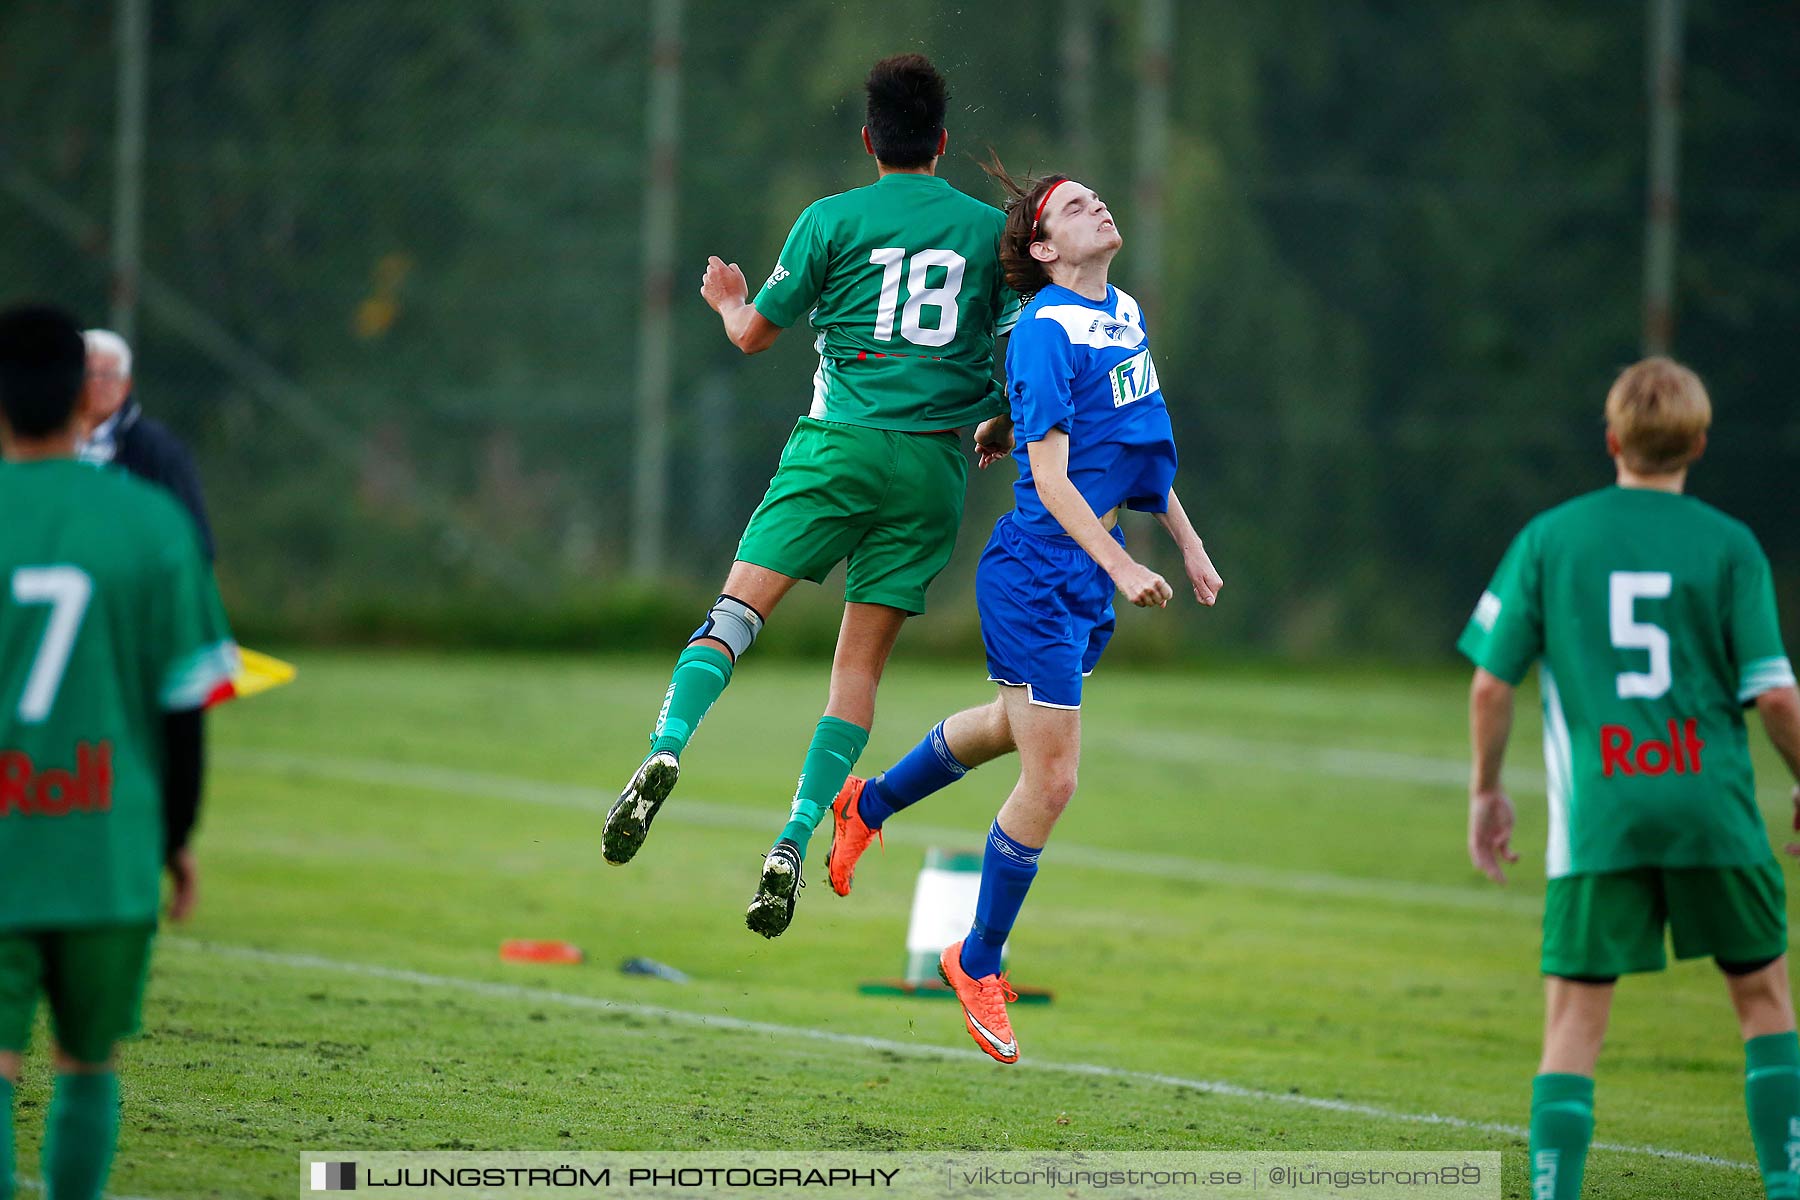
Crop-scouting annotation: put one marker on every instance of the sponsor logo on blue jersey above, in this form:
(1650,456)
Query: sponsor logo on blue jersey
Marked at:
(1133,379)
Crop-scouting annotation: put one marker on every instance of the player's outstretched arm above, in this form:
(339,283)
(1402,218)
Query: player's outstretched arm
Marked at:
(723,287)
(1780,711)
(1490,809)
(1194,559)
(1050,472)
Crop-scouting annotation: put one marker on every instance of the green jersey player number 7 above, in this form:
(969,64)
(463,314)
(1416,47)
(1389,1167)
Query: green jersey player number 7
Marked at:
(112,639)
(902,283)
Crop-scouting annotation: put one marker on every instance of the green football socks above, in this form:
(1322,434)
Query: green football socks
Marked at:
(80,1135)
(1772,1098)
(6,1139)
(1562,1125)
(836,745)
(701,674)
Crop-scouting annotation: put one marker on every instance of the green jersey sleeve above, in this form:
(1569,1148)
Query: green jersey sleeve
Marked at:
(1506,633)
(794,285)
(1009,308)
(197,654)
(1756,649)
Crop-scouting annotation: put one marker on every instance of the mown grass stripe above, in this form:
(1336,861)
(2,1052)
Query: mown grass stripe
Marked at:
(690,811)
(517,992)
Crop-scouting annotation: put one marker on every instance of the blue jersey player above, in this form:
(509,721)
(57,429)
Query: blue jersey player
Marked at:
(1088,410)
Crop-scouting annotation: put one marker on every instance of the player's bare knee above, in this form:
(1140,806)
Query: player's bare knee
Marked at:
(756,586)
(1056,787)
(10,1064)
(1761,996)
(1572,1044)
(1576,1011)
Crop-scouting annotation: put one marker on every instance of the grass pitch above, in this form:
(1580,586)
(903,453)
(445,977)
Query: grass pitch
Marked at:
(1257,918)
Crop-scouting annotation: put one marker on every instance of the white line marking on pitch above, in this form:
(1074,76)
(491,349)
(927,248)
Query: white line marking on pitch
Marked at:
(486,786)
(509,991)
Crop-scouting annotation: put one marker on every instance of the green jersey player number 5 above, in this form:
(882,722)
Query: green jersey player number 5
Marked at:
(1655,620)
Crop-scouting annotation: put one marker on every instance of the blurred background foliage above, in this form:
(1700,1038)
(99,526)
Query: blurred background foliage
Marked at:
(394,278)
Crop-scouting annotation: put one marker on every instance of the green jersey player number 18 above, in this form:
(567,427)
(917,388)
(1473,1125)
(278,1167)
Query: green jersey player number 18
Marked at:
(901,283)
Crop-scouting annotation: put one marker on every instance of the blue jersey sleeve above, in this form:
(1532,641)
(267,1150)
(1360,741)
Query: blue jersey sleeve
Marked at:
(1040,366)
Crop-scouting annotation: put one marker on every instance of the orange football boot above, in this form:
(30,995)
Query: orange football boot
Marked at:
(984,1003)
(849,836)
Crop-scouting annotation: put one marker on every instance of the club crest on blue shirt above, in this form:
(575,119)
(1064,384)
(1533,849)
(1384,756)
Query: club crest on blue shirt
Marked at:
(1101,331)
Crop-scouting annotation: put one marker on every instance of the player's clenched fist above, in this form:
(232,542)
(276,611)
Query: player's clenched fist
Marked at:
(1143,587)
(993,440)
(723,284)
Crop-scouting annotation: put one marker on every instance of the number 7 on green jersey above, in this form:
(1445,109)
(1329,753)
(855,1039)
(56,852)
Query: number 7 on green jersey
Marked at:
(67,591)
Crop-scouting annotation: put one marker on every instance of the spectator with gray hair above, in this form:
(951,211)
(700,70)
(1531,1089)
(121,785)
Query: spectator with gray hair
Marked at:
(117,431)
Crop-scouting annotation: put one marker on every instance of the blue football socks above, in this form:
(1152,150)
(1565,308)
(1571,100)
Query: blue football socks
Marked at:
(1007,869)
(926,768)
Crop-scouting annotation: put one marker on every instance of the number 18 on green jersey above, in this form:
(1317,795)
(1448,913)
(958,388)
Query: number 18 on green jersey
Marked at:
(902,280)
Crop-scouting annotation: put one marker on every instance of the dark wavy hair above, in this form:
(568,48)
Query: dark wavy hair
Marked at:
(1024,274)
(905,111)
(43,361)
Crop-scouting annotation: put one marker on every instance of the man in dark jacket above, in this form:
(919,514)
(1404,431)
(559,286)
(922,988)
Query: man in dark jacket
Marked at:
(119,432)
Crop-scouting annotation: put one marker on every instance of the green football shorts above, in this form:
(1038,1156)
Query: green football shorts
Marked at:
(888,502)
(94,978)
(1611,922)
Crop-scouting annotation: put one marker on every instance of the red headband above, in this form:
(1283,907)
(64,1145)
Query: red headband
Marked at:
(1039,215)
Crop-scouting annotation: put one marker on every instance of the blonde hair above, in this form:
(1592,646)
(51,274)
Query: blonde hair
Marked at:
(1659,411)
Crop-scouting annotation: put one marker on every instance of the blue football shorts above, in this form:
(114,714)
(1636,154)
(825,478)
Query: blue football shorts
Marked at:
(1046,612)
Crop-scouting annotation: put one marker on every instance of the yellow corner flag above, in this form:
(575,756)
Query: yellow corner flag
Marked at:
(256,673)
